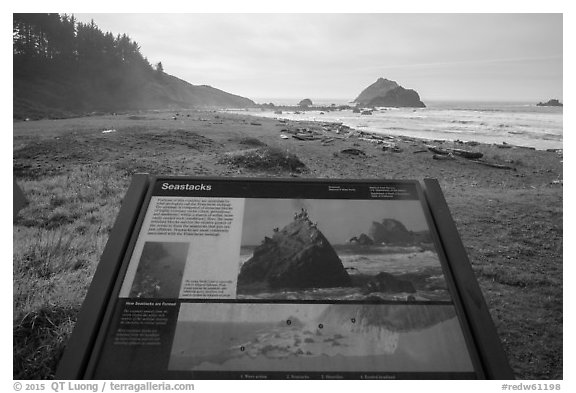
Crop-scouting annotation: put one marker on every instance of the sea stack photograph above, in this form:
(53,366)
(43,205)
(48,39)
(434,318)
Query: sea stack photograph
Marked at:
(311,254)
(389,180)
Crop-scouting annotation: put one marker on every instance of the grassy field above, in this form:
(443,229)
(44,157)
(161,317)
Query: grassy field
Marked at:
(75,175)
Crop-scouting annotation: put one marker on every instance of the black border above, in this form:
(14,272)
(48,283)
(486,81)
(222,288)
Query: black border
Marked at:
(84,347)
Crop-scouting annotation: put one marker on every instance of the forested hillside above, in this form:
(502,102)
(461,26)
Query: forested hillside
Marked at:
(63,67)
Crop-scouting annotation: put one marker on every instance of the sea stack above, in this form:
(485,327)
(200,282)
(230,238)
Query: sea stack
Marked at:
(390,231)
(552,102)
(389,93)
(297,256)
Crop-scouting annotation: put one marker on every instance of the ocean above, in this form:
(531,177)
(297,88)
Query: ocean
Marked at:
(516,123)
(398,261)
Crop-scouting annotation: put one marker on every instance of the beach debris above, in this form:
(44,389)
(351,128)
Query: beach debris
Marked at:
(554,150)
(277,112)
(371,140)
(253,123)
(391,147)
(493,165)
(282,120)
(471,155)
(504,145)
(441,157)
(326,141)
(557,181)
(284,136)
(305,137)
(438,150)
(353,152)
(420,151)
(108,131)
(459,152)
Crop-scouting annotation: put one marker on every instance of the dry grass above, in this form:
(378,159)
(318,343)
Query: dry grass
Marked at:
(58,239)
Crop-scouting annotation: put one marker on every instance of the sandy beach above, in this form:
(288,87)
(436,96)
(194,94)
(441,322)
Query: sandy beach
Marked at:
(507,206)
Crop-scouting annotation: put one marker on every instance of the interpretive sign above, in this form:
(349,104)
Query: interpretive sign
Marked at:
(254,279)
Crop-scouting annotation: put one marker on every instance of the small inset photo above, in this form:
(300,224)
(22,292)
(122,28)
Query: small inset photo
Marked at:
(160,270)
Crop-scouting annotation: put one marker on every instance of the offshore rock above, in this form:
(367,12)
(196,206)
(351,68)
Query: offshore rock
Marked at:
(298,256)
(376,89)
(398,98)
(363,240)
(552,102)
(387,283)
(390,231)
(388,93)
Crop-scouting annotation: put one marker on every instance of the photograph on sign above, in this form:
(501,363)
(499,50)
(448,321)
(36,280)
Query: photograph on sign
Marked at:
(160,270)
(318,249)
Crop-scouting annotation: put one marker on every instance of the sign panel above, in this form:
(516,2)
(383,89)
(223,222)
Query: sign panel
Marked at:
(254,279)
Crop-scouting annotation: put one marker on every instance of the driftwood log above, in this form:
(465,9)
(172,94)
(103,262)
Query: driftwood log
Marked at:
(494,165)
(443,157)
(437,150)
(471,155)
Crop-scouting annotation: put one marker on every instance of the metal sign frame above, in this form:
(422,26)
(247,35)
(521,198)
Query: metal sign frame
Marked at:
(83,348)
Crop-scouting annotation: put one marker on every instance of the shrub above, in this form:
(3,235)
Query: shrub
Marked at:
(265,158)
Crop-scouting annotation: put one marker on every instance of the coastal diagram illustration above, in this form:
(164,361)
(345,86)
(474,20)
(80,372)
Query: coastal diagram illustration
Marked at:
(318,337)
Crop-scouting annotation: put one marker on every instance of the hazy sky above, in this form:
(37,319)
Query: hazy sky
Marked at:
(442,56)
(338,219)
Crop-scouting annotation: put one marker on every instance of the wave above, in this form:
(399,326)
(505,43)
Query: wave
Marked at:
(529,126)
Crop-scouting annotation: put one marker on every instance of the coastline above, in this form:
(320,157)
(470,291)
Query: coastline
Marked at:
(509,219)
(521,125)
